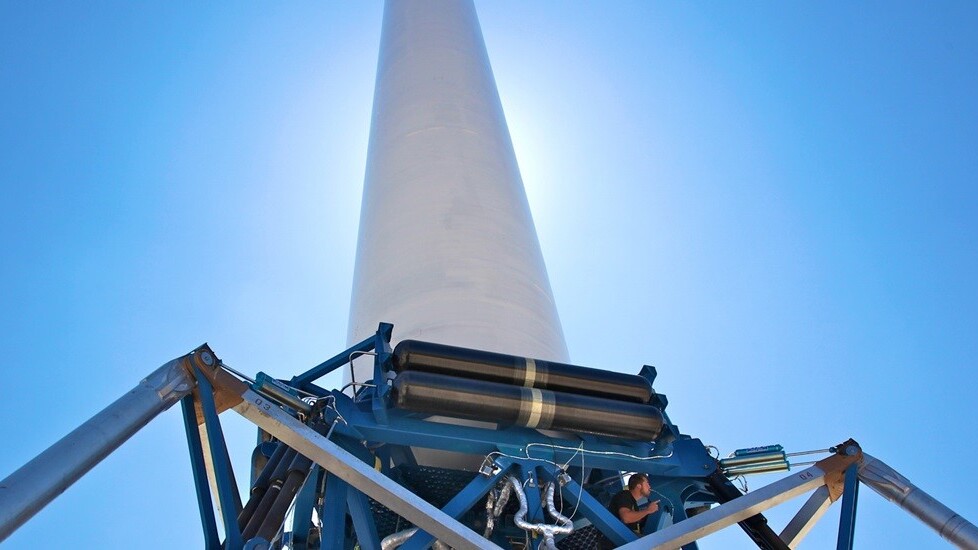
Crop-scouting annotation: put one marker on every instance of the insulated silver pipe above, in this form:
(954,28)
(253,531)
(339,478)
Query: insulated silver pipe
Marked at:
(29,489)
(495,509)
(395,540)
(565,525)
(897,489)
(548,531)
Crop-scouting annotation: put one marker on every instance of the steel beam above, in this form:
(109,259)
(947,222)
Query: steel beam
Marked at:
(744,507)
(210,470)
(350,469)
(847,518)
(363,520)
(332,363)
(26,491)
(212,540)
(897,489)
(806,518)
(333,513)
(227,489)
(305,501)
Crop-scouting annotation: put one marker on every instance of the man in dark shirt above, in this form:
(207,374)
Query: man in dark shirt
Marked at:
(624,505)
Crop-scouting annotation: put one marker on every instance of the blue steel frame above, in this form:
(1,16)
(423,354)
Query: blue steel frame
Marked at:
(211,539)
(847,518)
(227,489)
(677,465)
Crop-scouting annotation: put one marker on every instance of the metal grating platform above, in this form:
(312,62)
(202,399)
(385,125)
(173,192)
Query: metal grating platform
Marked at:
(585,538)
(437,486)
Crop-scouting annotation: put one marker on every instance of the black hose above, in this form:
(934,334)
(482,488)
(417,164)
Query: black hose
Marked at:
(298,472)
(261,485)
(755,526)
(268,498)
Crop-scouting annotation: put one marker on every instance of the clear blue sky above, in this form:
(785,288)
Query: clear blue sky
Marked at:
(773,203)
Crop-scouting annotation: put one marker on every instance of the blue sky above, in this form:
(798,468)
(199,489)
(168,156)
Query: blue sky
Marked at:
(773,204)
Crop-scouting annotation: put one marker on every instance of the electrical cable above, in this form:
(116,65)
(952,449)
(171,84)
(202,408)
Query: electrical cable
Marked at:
(580,492)
(583,450)
(361,384)
(829,450)
(228,368)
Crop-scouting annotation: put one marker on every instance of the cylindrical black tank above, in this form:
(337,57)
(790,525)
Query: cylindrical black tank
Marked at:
(528,407)
(413,355)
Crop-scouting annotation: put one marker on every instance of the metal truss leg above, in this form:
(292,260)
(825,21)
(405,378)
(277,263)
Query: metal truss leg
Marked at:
(402,455)
(847,520)
(362,477)
(897,489)
(738,509)
(678,514)
(806,518)
(211,539)
(227,491)
(363,520)
(333,514)
(35,484)
(305,501)
(755,526)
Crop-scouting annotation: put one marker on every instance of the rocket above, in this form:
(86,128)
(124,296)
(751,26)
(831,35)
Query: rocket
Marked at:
(447,250)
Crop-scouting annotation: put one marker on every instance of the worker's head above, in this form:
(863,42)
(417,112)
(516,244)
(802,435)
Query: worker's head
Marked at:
(639,483)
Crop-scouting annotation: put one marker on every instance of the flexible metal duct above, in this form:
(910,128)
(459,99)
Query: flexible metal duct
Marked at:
(564,525)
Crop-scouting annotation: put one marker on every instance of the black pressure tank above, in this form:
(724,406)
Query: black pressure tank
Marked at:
(413,355)
(529,407)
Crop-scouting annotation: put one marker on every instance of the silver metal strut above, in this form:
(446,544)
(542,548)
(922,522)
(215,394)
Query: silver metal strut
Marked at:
(825,472)
(897,489)
(29,489)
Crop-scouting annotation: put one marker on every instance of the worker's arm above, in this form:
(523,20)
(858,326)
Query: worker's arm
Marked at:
(631,516)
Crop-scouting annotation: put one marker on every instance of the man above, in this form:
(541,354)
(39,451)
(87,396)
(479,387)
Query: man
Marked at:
(624,505)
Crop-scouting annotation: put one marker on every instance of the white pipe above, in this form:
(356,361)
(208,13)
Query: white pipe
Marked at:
(29,489)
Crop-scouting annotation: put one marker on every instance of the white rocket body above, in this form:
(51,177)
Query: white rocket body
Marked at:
(447,250)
